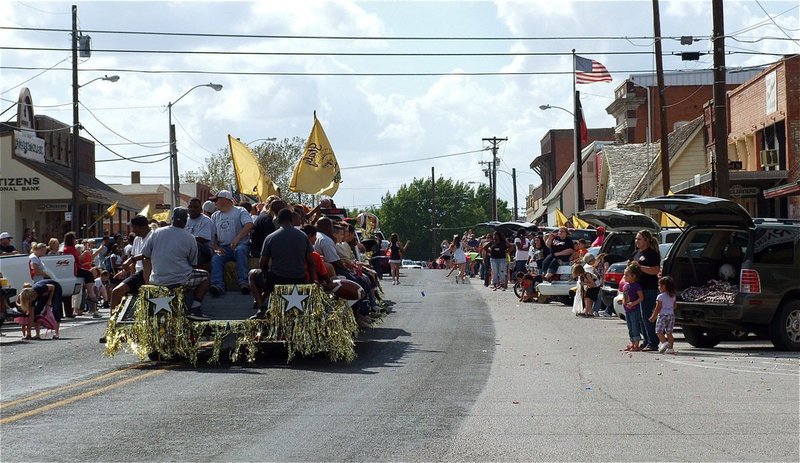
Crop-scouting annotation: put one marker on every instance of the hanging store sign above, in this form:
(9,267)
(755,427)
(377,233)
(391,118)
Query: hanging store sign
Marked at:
(52,207)
(738,191)
(28,145)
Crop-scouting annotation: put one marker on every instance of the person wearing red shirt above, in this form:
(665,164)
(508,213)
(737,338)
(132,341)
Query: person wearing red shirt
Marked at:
(85,275)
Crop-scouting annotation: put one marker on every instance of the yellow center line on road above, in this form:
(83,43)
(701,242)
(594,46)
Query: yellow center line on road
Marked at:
(75,398)
(60,389)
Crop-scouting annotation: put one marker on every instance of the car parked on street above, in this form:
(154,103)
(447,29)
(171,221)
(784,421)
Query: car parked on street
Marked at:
(759,258)
(407,263)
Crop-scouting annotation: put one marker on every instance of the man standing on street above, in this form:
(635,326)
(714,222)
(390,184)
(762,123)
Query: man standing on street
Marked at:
(231,242)
(6,248)
(285,255)
(170,259)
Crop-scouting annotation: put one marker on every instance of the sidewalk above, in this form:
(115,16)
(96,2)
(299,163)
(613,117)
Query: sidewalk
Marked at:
(10,332)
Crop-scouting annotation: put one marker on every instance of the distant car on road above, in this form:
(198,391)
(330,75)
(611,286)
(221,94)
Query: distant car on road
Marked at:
(407,263)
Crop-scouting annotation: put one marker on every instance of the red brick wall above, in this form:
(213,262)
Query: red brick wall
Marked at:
(562,145)
(684,103)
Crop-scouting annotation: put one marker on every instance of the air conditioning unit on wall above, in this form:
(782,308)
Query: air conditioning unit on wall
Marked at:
(769,158)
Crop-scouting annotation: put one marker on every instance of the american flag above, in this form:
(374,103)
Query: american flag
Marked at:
(588,71)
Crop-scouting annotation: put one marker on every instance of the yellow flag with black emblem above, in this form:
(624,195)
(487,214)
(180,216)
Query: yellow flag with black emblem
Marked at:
(112,209)
(317,172)
(251,179)
(561,219)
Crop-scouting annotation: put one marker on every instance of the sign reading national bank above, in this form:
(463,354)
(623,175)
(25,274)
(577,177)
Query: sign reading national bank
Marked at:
(19,183)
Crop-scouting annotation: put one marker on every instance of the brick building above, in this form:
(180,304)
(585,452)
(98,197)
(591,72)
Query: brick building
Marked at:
(557,148)
(684,92)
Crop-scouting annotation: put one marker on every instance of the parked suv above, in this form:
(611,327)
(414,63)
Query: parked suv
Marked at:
(761,257)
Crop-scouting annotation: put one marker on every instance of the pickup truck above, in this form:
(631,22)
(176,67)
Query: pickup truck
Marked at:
(61,269)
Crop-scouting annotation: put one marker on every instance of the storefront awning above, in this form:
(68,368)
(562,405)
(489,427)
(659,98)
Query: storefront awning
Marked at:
(89,186)
(789,189)
(735,176)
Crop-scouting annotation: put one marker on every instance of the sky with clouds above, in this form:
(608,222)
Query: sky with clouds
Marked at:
(369,119)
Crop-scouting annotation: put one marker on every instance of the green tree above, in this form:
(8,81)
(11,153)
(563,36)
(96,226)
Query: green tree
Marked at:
(458,207)
(278,159)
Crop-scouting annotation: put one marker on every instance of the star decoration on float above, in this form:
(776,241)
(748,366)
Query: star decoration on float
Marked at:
(294,299)
(162,303)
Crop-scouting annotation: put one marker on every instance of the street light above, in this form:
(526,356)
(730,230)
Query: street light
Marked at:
(270,139)
(76,128)
(174,182)
(578,173)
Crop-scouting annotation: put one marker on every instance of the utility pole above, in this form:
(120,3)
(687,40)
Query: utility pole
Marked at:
(720,103)
(514,179)
(76,208)
(433,214)
(662,104)
(495,142)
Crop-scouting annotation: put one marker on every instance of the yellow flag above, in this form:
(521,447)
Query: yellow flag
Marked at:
(161,216)
(112,209)
(250,176)
(317,172)
(578,223)
(561,219)
(145,212)
(669,220)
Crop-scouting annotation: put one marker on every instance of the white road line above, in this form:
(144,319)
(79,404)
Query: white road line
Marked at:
(742,370)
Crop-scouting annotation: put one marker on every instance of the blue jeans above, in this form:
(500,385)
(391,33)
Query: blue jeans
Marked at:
(239,256)
(634,321)
(551,264)
(646,307)
(499,267)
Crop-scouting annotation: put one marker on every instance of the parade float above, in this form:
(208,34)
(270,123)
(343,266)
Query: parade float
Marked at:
(309,321)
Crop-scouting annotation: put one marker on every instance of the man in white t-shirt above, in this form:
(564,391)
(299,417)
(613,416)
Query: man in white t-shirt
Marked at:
(202,228)
(230,242)
(521,245)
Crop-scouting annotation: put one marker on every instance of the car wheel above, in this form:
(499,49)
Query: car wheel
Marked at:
(785,328)
(154,356)
(701,337)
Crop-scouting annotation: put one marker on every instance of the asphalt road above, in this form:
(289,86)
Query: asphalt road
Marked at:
(456,372)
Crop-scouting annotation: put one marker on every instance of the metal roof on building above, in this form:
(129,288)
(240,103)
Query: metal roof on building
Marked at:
(690,78)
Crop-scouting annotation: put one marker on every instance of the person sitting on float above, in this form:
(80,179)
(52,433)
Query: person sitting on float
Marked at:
(285,256)
(170,259)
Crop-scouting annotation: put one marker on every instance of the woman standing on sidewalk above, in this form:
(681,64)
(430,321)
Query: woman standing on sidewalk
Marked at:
(396,253)
(498,249)
(648,259)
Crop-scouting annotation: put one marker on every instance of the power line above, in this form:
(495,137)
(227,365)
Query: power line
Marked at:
(412,160)
(113,131)
(348,74)
(776,23)
(344,37)
(124,158)
(334,53)
(37,75)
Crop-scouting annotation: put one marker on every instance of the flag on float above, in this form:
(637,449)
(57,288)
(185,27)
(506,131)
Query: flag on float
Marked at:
(589,71)
(145,212)
(317,172)
(112,209)
(251,179)
(581,120)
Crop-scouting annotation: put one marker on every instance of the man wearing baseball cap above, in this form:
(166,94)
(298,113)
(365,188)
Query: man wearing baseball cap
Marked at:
(230,242)
(170,255)
(5,244)
(601,236)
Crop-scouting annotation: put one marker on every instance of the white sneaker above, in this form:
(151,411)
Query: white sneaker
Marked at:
(662,347)
(670,351)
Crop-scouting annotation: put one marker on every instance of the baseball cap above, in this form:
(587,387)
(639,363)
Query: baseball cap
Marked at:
(180,214)
(5,235)
(222,194)
(601,229)
(209,207)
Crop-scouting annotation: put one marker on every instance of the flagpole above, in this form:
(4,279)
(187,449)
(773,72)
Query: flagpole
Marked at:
(578,174)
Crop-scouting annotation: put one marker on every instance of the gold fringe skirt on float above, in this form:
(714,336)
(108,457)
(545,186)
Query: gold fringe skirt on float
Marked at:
(306,318)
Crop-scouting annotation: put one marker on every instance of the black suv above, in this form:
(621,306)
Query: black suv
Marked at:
(761,257)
